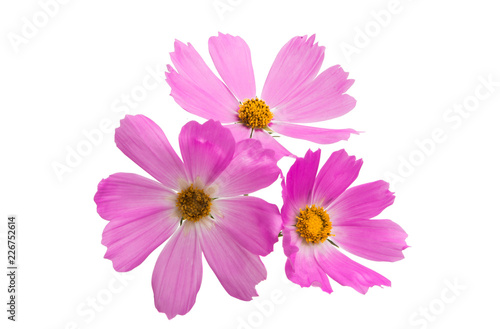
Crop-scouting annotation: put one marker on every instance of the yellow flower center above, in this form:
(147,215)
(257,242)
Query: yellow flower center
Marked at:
(193,203)
(255,113)
(313,224)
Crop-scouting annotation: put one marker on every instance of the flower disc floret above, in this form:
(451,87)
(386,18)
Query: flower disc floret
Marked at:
(255,113)
(313,224)
(193,203)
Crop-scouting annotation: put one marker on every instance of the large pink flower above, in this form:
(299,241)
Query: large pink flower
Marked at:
(203,194)
(321,215)
(292,93)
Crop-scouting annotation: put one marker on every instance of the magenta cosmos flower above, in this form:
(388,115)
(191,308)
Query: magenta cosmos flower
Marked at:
(195,204)
(320,215)
(292,93)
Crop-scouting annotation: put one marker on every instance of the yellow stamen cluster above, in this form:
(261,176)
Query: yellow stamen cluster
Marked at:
(193,204)
(255,113)
(313,224)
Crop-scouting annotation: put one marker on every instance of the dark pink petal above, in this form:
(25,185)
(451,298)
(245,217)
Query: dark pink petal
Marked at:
(336,175)
(251,169)
(362,201)
(346,271)
(177,273)
(377,239)
(199,101)
(312,134)
(206,149)
(296,64)
(320,100)
(140,214)
(254,223)
(233,61)
(241,132)
(237,269)
(300,181)
(139,138)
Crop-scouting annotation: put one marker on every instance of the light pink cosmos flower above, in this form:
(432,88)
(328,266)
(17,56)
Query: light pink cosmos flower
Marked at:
(320,214)
(292,93)
(203,193)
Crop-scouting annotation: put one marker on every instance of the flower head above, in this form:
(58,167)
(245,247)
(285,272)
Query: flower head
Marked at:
(321,215)
(293,91)
(196,204)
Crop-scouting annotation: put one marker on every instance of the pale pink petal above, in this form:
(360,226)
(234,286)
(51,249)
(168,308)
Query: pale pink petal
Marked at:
(253,222)
(191,66)
(140,214)
(199,101)
(336,175)
(320,100)
(237,269)
(251,169)
(377,239)
(346,271)
(362,201)
(177,273)
(233,61)
(296,64)
(139,138)
(312,134)
(241,132)
(206,149)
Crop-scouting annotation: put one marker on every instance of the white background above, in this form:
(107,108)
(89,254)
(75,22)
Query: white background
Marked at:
(70,74)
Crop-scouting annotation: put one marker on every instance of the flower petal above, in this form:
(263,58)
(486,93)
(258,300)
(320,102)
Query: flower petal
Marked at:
(377,239)
(241,132)
(206,149)
(191,66)
(320,100)
(253,222)
(233,61)
(141,218)
(362,201)
(238,270)
(139,138)
(312,134)
(177,273)
(346,271)
(336,175)
(199,101)
(296,64)
(251,169)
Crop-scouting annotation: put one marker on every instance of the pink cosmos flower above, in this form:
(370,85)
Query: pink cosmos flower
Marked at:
(320,208)
(292,93)
(195,204)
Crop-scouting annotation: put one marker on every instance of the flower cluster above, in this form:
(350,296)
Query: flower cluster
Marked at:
(198,203)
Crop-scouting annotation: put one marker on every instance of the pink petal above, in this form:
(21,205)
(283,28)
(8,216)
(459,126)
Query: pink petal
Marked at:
(253,222)
(251,169)
(141,218)
(200,101)
(238,270)
(312,134)
(193,69)
(177,273)
(346,271)
(320,100)
(241,132)
(296,64)
(378,239)
(233,61)
(139,138)
(206,149)
(362,201)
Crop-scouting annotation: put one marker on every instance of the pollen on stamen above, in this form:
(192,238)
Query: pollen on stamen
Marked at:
(193,203)
(313,224)
(255,113)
